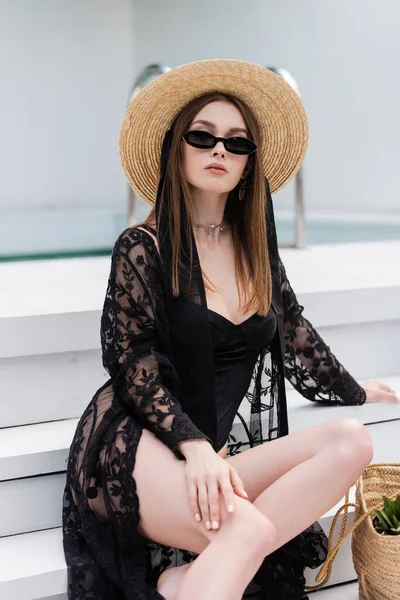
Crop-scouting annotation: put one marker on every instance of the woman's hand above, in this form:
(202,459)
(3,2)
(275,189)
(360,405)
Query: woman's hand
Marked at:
(379,392)
(206,473)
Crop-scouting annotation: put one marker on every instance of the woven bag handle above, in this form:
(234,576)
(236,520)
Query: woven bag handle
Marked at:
(326,568)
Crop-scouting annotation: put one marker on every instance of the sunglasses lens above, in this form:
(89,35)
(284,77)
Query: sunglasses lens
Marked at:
(200,139)
(238,145)
(203,139)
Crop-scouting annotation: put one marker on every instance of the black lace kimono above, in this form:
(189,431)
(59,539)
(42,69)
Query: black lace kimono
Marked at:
(158,384)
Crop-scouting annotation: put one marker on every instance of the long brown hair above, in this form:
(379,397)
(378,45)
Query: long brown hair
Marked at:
(246,217)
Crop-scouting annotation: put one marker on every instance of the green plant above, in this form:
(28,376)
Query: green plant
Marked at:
(387,519)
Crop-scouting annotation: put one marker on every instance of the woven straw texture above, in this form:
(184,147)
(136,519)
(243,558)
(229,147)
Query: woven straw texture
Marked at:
(277,108)
(376,557)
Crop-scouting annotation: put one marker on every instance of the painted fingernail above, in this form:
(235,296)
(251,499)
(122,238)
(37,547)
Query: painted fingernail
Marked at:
(230,508)
(246,494)
(208,524)
(197,517)
(215,524)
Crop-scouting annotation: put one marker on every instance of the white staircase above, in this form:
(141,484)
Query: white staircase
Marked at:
(50,367)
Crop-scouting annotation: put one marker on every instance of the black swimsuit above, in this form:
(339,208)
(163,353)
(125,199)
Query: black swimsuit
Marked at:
(235,351)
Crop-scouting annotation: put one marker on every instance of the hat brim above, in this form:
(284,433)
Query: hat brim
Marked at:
(275,105)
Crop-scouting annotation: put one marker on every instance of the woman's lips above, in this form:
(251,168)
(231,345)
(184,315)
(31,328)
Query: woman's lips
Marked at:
(216,171)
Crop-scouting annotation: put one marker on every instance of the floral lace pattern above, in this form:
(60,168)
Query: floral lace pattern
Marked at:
(106,557)
(130,351)
(310,366)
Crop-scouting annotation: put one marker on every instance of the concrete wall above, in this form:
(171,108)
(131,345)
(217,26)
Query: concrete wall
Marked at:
(344,56)
(66,68)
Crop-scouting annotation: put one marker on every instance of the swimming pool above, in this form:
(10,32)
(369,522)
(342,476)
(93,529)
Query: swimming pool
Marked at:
(339,230)
(71,233)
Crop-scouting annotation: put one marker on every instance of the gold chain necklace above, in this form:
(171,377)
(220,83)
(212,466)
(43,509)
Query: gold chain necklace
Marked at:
(208,227)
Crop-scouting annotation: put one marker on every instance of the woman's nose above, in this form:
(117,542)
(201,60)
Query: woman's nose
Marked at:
(219,146)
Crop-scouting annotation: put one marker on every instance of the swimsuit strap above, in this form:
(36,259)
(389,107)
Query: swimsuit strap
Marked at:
(146,226)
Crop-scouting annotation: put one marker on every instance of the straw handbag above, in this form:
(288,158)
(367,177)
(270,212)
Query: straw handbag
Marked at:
(376,557)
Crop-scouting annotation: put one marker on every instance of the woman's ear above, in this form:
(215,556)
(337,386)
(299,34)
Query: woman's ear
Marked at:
(248,167)
(246,171)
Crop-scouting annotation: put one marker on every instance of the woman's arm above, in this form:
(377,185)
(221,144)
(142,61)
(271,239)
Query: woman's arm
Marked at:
(310,366)
(132,352)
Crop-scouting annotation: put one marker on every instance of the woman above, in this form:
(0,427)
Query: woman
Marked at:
(164,498)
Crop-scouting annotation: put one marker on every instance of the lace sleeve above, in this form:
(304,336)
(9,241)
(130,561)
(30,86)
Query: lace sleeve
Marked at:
(310,366)
(132,353)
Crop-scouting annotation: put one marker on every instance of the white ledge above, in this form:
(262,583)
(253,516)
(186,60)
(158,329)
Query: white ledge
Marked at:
(62,286)
(41,448)
(304,413)
(337,284)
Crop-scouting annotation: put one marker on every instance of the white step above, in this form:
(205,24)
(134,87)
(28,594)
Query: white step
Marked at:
(42,448)
(347,591)
(45,571)
(35,449)
(52,576)
(50,367)
(32,567)
(31,504)
(68,287)
(33,457)
(50,386)
(60,386)
(51,345)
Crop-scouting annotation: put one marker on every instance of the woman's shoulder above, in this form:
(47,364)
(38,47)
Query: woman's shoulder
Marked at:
(150,229)
(142,234)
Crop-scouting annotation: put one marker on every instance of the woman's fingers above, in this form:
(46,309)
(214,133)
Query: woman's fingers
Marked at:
(383,386)
(377,391)
(213,500)
(391,397)
(382,396)
(228,493)
(392,391)
(193,499)
(203,502)
(238,484)
(387,388)
(204,495)
(390,394)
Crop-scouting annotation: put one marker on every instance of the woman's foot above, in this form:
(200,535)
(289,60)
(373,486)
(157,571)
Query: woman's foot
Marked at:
(169,582)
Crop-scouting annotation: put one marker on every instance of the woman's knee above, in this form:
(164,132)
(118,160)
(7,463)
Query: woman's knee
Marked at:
(171,521)
(351,439)
(251,527)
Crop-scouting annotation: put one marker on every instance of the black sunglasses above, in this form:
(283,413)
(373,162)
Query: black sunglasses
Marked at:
(204,139)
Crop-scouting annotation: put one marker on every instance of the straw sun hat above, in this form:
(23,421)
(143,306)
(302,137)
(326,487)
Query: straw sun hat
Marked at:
(275,105)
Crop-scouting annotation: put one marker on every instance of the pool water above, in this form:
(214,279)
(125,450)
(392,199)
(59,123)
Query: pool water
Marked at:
(77,234)
(338,231)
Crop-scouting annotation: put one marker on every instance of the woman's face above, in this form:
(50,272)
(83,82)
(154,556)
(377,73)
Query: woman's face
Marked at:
(225,120)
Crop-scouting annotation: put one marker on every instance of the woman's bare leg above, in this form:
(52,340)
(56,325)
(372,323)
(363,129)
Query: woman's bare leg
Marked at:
(223,570)
(295,479)
(228,557)
(320,463)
